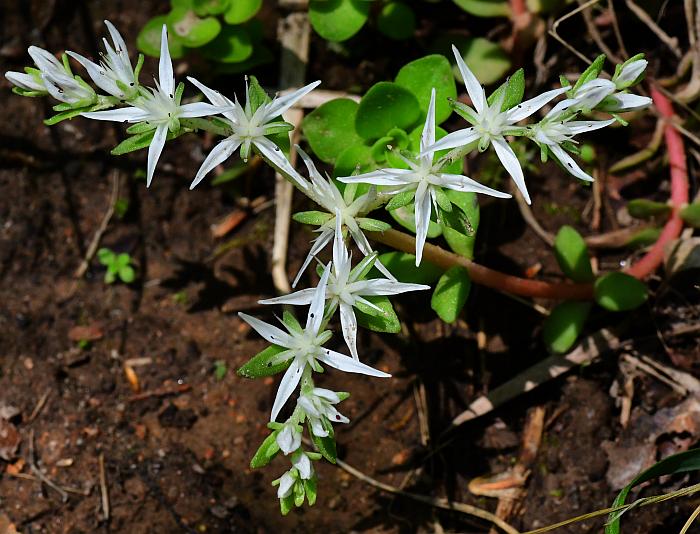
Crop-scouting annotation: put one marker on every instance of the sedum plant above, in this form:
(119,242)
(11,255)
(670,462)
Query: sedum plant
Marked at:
(414,172)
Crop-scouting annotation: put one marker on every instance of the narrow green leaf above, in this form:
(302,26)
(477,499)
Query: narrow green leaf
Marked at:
(400,199)
(485,8)
(619,292)
(641,208)
(691,214)
(385,320)
(326,446)
(266,452)
(572,255)
(591,73)
(316,218)
(451,293)
(514,89)
(373,225)
(260,364)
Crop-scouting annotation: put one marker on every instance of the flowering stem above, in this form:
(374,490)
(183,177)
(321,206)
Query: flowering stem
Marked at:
(679,190)
(483,275)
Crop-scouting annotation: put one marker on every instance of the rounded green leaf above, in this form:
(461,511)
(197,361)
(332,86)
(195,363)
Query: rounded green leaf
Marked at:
(421,75)
(572,255)
(691,214)
(232,45)
(240,11)
(190,29)
(451,293)
(619,292)
(148,39)
(485,8)
(459,226)
(487,60)
(127,274)
(396,20)
(211,7)
(330,128)
(261,55)
(338,20)
(385,106)
(356,158)
(405,216)
(403,267)
(564,325)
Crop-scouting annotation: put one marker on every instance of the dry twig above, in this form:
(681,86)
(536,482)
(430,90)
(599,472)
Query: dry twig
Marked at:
(103,488)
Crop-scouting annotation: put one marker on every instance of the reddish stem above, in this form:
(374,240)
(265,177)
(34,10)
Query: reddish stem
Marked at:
(518,7)
(679,190)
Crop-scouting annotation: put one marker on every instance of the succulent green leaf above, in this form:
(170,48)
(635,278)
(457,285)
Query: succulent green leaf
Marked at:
(338,20)
(316,218)
(405,216)
(241,11)
(451,293)
(644,238)
(211,7)
(397,21)
(373,225)
(326,446)
(261,56)
(591,73)
(564,325)
(384,321)
(514,88)
(572,255)
(424,74)
(190,29)
(485,8)
(105,256)
(330,128)
(354,158)
(459,226)
(266,452)
(311,490)
(64,115)
(403,267)
(400,199)
(487,60)
(385,106)
(619,292)
(232,45)
(127,274)
(691,214)
(148,39)
(260,364)
(641,208)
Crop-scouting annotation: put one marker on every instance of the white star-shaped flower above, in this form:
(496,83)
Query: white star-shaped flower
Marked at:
(250,128)
(347,287)
(326,194)
(490,124)
(424,177)
(159,108)
(305,347)
(114,74)
(318,407)
(55,78)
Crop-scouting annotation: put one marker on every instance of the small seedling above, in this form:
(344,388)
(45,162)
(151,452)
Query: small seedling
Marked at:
(118,266)
(220,370)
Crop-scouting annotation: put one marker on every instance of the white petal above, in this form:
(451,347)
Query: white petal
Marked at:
(422,220)
(379,286)
(215,97)
(560,108)
(476,92)
(466,184)
(318,302)
(24,81)
(200,109)
(427,138)
(288,439)
(631,72)
(303,464)
(128,114)
(287,482)
(46,61)
(348,364)
(218,155)
(453,140)
(318,244)
(97,74)
(117,38)
(379,177)
(341,257)
(625,102)
(275,154)
(154,150)
(569,164)
(281,104)
(527,108)
(298,298)
(590,94)
(317,427)
(348,323)
(288,385)
(577,127)
(165,65)
(267,331)
(326,394)
(334,415)
(511,164)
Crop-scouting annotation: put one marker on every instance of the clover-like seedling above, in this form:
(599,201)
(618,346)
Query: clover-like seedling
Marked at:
(118,266)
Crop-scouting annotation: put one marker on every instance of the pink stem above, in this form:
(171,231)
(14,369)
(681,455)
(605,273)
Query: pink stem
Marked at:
(679,190)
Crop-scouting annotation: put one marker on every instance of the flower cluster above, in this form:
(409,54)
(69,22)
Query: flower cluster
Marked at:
(425,180)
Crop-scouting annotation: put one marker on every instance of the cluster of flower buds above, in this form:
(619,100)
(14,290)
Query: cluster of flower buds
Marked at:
(358,292)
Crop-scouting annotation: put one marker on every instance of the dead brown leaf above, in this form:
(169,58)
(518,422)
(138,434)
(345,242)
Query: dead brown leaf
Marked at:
(9,440)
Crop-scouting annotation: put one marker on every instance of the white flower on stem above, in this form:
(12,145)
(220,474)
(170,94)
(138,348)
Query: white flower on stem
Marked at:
(629,72)
(557,128)
(319,410)
(620,102)
(286,484)
(302,462)
(27,81)
(58,81)
(305,347)
(588,96)
(289,438)
(326,194)
(490,124)
(159,108)
(424,177)
(114,74)
(251,128)
(347,287)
